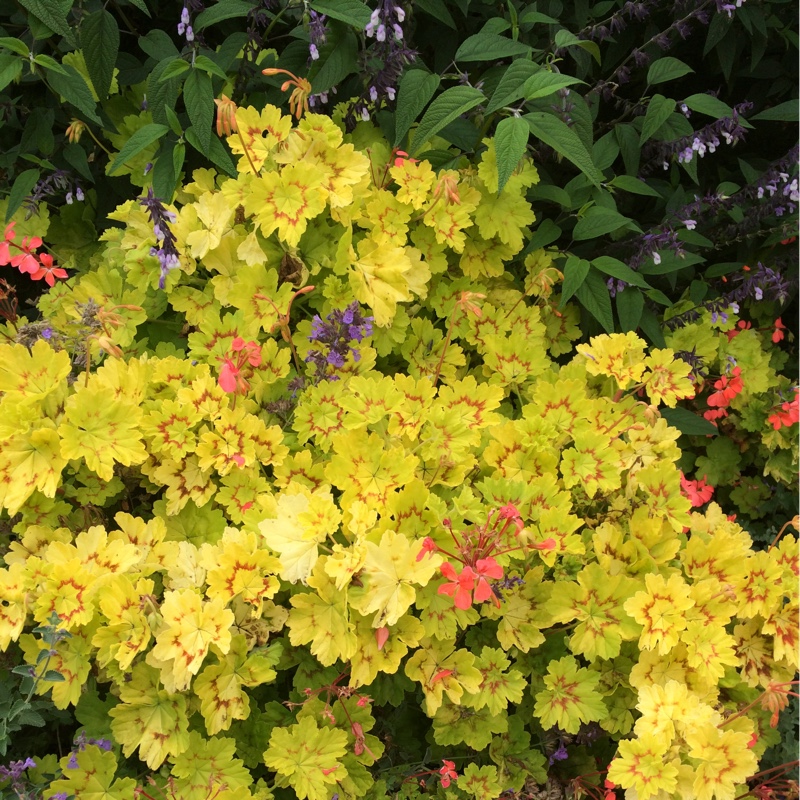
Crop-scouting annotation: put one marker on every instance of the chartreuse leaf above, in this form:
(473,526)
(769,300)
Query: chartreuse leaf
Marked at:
(510,141)
(207,768)
(416,89)
(90,773)
(100,45)
(139,141)
(570,696)
(558,135)
(307,758)
(443,110)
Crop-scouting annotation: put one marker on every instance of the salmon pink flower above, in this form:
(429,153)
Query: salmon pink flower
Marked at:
(486,568)
(460,585)
(448,772)
(778,333)
(698,492)
(48,271)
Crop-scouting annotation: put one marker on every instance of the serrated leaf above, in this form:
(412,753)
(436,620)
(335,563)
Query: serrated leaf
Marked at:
(161,96)
(10,69)
(23,184)
(707,104)
(100,44)
(338,58)
(51,14)
(545,83)
(29,717)
(593,296)
(666,69)
(597,222)
(783,112)
(416,89)
(659,110)
(443,110)
(53,676)
(49,63)
(558,135)
(224,9)
(198,95)
(489,47)
(688,422)
(630,304)
(73,88)
(510,86)
(14,45)
(206,64)
(510,141)
(352,12)
(173,69)
(575,272)
(630,184)
(217,153)
(438,10)
(141,139)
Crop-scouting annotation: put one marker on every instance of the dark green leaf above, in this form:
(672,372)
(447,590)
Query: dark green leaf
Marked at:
(565,38)
(161,96)
(21,188)
(558,135)
(72,87)
(140,4)
(49,64)
(719,27)
(597,222)
(173,121)
(575,272)
(140,140)
(545,234)
(489,47)
(10,69)
(158,45)
(659,110)
(75,156)
(510,141)
(633,185)
(338,58)
(618,269)
(545,83)
(218,155)
(630,304)
(352,12)
(164,178)
(100,44)
(207,65)
(783,112)
(628,140)
(532,17)
(53,676)
(174,68)
(553,194)
(198,95)
(50,12)
(605,151)
(670,262)
(14,45)
(593,296)
(688,423)
(416,89)
(709,105)
(29,717)
(224,9)
(444,109)
(666,69)
(178,157)
(510,86)
(438,10)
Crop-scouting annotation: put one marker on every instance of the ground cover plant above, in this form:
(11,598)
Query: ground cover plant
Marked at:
(436,436)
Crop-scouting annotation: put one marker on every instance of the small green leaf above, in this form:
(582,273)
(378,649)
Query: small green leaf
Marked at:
(666,69)
(416,89)
(565,38)
(352,12)
(73,88)
(659,110)
(100,44)
(10,69)
(198,95)
(140,140)
(206,64)
(709,105)
(618,269)
(224,9)
(21,188)
(597,222)
(49,64)
(489,47)
(14,45)
(545,83)
(158,45)
(593,296)
(140,5)
(510,141)
(174,68)
(633,185)
(51,14)
(575,272)
(438,10)
(532,17)
(545,234)
(630,304)
(558,135)
(510,85)
(217,153)
(444,109)
(783,112)
(164,177)
(75,156)
(173,121)
(688,423)
(53,676)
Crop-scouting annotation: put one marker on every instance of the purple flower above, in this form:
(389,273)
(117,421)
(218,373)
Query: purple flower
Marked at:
(560,755)
(167,253)
(335,335)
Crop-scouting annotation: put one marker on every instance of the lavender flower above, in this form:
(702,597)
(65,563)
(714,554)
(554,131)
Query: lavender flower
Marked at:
(335,335)
(53,185)
(167,252)
(560,755)
(317,33)
(615,286)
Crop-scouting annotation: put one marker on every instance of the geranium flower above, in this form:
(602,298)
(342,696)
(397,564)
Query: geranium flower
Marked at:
(486,568)
(460,586)
(48,271)
(698,492)
(448,772)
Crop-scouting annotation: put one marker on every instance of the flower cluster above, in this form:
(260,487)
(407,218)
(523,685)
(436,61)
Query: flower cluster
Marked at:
(476,548)
(185,25)
(231,377)
(27,261)
(335,335)
(788,413)
(57,183)
(166,250)
(697,492)
(727,388)
(81,742)
(317,33)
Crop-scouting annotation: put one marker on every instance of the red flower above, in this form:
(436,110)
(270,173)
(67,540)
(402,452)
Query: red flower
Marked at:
(230,376)
(460,586)
(740,326)
(48,271)
(778,333)
(448,772)
(428,546)
(5,255)
(698,492)
(486,568)
(728,388)
(787,414)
